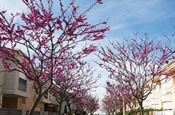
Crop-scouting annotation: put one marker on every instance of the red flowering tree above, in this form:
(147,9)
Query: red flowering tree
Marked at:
(81,103)
(48,40)
(133,65)
(73,84)
(110,104)
(120,96)
(115,97)
(88,103)
(92,104)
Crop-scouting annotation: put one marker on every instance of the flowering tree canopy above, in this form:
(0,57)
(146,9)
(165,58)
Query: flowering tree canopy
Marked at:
(73,84)
(48,40)
(92,104)
(134,64)
(88,103)
(112,101)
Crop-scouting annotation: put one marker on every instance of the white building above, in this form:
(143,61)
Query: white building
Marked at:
(163,95)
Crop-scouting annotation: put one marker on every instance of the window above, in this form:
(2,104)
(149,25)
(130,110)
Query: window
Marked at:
(23,100)
(167,105)
(168,90)
(22,84)
(50,97)
(46,95)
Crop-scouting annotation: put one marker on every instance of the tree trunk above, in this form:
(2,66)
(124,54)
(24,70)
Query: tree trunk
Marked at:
(59,100)
(141,107)
(60,107)
(68,105)
(123,107)
(40,95)
(35,104)
(113,112)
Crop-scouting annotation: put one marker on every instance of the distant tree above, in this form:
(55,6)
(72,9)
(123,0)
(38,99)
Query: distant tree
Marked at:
(47,39)
(133,63)
(121,96)
(113,100)
(109,104)
(88,103)
(73,84)
(92,104)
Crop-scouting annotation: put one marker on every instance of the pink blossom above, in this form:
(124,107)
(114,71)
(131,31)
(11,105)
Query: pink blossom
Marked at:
(49,41)
(6,64)
(100,1)
(89,49)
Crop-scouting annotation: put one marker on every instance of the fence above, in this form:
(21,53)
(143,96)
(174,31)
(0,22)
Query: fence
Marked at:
(4,111)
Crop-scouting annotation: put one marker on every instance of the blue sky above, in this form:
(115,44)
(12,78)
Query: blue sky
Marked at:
(125,17)
(130,16)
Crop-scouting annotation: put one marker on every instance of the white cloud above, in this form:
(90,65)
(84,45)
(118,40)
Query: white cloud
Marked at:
(127,13)
(12,6)
(117,27)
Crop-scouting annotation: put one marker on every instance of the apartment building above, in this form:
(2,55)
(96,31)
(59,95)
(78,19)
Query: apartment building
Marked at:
(162,96)
(17,92)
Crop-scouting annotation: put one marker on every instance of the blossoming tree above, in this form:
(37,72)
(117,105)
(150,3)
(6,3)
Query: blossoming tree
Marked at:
(73,84)
(134,65)
(88,104)
(48,40)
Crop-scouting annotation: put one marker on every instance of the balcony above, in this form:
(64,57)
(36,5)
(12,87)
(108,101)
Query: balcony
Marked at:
(167,105)
(15,86)
(155,106)
(167,98)
(44,100)
(166,91)
(155,101)
(15,93)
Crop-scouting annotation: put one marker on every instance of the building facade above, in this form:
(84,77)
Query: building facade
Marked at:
(17,92)
(162,96)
